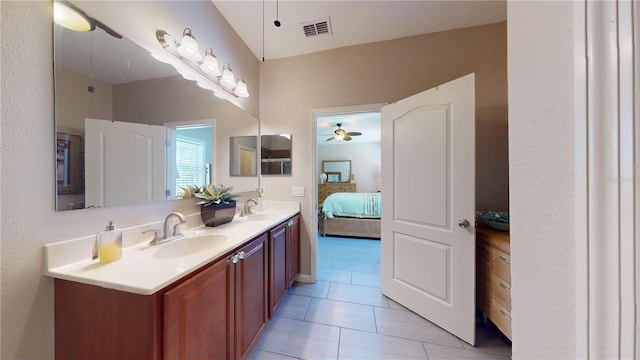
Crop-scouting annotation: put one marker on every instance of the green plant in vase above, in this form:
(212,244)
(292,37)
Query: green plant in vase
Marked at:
(218,205)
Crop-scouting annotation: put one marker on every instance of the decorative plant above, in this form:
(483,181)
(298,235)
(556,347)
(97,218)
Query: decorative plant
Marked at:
(212,194)
(189,191)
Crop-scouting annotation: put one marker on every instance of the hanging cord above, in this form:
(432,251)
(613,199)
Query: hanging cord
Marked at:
(277,21)
(262,30)
(90,88)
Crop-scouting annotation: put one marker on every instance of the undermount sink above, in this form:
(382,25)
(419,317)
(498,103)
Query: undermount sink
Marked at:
(258,217)
(188,246)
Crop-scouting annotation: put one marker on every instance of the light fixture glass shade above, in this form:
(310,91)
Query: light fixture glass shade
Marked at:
(241,89)
(228,79)
(210,64)
(189,46)
(71,19)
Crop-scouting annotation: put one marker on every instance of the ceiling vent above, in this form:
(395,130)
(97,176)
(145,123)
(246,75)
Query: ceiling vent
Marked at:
(317,28)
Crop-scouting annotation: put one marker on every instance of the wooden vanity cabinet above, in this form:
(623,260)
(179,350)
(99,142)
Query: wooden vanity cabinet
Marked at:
(278,281)
(218,312)
(198,315)
(284,255)
(251,280)
(92,322)
(493,277)
(293,249)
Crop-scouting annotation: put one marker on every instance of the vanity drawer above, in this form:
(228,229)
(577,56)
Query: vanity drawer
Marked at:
(501,291)
(501,264)
(501,316)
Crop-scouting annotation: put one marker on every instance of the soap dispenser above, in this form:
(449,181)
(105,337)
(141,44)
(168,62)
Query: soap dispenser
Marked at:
(108,245)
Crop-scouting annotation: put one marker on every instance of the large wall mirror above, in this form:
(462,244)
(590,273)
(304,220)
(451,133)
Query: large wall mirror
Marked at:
(130,130)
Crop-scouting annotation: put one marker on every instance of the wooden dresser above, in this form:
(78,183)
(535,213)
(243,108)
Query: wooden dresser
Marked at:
(493,277)
(327,189)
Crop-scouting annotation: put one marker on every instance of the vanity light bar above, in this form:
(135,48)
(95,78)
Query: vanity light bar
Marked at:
(191,70)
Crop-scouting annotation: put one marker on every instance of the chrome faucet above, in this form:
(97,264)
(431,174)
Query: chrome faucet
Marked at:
(167,224)
(246,211)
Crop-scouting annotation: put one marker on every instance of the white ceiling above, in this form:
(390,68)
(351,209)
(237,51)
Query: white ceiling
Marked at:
(352,22)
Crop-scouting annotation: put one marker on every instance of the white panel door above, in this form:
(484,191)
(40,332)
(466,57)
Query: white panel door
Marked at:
(124,163)
(428,187)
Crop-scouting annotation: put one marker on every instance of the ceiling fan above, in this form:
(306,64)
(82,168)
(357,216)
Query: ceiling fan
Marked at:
(341,134)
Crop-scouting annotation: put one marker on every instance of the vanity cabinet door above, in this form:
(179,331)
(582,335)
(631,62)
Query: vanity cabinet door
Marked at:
(293,249)
(251,294)
(198,315)
(277,266)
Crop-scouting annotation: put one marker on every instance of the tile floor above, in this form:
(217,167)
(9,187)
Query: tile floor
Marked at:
(345,316)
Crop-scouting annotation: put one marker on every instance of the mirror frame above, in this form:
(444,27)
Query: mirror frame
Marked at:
(337,171)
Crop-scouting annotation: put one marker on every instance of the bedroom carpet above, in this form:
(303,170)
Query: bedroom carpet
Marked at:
(345,316)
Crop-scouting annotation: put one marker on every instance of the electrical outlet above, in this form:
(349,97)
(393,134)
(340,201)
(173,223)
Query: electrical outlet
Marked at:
(297,191)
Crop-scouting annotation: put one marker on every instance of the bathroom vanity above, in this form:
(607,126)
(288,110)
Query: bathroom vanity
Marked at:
(178,303)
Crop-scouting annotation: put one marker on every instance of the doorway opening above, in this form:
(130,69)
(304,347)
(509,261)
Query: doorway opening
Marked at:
(351,165)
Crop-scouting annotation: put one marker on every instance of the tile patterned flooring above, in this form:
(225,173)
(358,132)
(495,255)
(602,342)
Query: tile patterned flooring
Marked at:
(345,316)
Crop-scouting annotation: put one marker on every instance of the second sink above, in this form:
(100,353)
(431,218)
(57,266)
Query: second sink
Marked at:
(189,246)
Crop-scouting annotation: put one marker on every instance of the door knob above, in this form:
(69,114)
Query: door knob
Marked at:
(463,223)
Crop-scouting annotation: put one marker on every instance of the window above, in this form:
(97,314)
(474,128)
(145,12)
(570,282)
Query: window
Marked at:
(190,154)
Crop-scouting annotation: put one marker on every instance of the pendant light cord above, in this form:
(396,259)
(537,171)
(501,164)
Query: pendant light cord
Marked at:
(262,30)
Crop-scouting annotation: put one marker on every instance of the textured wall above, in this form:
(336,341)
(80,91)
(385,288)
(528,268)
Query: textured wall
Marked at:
(541,160)
(384,72)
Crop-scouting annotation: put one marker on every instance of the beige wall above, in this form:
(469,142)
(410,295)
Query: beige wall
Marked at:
(76,103)
(381,73)
(28,218)
(542,151)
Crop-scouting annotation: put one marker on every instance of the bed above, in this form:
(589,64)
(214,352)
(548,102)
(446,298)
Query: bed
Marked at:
(351,214)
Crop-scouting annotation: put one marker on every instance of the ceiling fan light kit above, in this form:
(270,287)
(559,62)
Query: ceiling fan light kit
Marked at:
(185,57)
(342,135)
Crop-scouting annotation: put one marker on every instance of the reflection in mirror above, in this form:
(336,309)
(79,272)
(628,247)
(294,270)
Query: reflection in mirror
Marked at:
(336,170)
(99,77)
(275,154)
(243,155)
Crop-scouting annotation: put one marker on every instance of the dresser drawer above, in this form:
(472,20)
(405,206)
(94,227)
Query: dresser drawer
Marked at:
(501,264)
(501,316)
(501,291)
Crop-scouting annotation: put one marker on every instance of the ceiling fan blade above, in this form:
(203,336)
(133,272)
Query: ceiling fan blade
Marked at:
(353,133)
(331,138)
(347,138)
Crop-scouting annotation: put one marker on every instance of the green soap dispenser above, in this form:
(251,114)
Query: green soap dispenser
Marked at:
(108,245)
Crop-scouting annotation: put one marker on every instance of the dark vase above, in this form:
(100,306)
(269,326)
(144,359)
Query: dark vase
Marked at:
(218,214)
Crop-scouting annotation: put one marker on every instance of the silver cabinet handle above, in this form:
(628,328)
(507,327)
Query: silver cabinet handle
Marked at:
(505,260)
(242,255)
(505,314)
(508,289)
(235,258)
(463,223)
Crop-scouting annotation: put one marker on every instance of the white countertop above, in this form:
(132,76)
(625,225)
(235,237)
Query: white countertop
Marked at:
(146,269)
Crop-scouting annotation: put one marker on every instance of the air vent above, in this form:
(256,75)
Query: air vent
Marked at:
(317,28)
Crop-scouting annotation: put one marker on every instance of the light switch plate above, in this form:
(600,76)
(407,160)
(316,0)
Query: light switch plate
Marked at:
(297,191)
